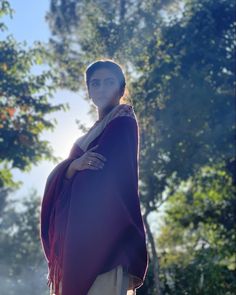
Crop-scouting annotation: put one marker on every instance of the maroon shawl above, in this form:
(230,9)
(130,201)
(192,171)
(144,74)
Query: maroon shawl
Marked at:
(92,222)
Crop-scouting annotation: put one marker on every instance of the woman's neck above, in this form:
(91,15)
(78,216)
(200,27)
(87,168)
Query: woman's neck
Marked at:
(103,112)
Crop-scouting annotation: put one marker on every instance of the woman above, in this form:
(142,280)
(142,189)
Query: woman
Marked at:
(92,231)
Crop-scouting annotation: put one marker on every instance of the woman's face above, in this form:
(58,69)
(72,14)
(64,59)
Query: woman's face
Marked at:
(104,88)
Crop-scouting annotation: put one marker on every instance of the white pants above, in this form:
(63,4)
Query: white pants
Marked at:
(115,282)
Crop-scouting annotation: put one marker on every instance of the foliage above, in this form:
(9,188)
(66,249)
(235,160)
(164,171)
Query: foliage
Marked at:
(24,104)
(181,75)
(197,240)
(83,31)
(22,267)
(184,97)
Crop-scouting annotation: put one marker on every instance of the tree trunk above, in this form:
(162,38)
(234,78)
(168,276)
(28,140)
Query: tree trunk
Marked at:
(156,268)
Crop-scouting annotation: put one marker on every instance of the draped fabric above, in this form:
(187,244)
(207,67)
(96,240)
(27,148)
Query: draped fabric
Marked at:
(115,282)
(92,223)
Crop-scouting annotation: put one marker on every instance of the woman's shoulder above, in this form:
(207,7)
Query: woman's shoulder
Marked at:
(124,110)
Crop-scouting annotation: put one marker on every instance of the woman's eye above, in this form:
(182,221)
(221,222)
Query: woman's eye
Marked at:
(96,84)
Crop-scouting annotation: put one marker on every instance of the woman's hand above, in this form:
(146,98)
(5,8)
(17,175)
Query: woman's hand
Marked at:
(89,160)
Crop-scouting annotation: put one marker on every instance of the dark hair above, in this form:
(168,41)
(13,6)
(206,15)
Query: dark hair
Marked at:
(111,65)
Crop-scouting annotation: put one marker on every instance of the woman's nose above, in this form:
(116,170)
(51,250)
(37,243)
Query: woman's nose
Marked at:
(102,87)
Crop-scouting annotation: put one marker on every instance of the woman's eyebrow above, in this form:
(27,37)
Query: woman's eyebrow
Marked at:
(100,79)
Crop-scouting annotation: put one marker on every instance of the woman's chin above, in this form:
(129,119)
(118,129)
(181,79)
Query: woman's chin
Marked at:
(101,104)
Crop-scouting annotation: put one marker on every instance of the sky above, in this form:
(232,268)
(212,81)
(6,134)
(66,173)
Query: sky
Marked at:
(28,25)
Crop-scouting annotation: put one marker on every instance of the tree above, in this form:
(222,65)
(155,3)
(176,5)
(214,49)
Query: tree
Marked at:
(182,91)
(185,101)
(22,267)
(85,30)
(197,239)
(24,103)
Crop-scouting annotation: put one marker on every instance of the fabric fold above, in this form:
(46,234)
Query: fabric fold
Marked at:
(96,214)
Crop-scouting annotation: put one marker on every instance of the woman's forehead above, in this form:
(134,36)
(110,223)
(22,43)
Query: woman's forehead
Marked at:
(103,74)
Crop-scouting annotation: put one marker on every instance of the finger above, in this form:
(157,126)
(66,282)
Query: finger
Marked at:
(95,156)
(95,167)
(92,168)
(92,148)
(94,160)
(96,163)
(99,156)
